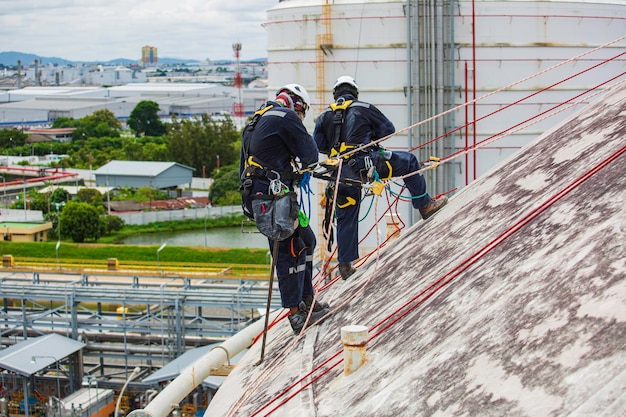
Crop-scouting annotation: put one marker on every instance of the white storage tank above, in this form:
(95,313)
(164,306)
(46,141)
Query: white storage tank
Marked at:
(451,53)
(515,40)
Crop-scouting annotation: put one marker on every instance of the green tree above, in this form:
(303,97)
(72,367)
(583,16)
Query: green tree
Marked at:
(112,223)
(63,122)
(155,151)
(225,188)
(96,152)
(43,148)
(149,194)
(99,124)
(53,217)
(56,200)
(144,119)
(141,194)
(90,196)
(11,138)
(80,221)
(42,201)
(38,201)
(60,195)
(105,117)
(133,150)
(202,142)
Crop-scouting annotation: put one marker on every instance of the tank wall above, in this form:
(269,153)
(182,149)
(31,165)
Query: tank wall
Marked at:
(368,43)
(516,40)
(513,41)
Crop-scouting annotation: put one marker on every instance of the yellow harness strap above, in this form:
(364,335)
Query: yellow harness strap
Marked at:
(349,202)
(341,106)
(390,171)
(343,147)
(250,161)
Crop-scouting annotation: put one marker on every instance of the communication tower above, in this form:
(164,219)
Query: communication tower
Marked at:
(238,106)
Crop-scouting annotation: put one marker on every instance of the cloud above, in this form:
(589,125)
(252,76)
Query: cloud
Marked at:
(89,30)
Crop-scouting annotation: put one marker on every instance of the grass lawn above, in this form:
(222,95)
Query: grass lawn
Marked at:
(105,248)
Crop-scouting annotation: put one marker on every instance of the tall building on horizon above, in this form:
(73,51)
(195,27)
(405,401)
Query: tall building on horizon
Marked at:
(149,55)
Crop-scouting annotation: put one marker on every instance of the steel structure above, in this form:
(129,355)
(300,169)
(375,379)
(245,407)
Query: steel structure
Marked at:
(178,389)
(126,318)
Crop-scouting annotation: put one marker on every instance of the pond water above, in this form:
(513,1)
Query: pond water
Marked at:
(222,237)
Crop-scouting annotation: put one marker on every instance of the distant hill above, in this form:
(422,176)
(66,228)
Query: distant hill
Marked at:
(10,58)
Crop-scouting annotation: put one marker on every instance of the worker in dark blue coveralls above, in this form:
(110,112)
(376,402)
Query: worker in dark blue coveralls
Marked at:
(344,126)
(273,144)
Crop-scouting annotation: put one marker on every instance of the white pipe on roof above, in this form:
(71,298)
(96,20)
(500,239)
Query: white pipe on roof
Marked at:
(193,375)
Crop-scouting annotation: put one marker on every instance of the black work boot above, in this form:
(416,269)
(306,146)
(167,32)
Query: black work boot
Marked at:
(346,269)
(298,319)
(318,306)
(433,206)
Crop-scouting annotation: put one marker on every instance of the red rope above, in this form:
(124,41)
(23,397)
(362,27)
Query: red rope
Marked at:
(298,383)
(457,270)
(444,280)
(443,135)
(536,116)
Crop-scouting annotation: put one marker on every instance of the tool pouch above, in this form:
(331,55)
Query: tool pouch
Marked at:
(276,216)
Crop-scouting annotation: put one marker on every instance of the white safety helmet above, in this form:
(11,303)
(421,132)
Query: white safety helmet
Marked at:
(300,97)
(343,80)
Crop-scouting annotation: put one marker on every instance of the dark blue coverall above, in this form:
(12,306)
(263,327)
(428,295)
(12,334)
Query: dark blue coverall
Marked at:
(363,123)
(279,137)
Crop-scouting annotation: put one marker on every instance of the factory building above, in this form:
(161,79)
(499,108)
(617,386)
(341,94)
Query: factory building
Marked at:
(40,106)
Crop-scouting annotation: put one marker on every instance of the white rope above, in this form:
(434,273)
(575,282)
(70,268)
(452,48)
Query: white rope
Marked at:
(499,136)
(460,106)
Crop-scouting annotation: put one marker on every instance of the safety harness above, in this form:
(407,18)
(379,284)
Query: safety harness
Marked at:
(339,149)
(254,167)
(367,173)
(339,109)
(339,114)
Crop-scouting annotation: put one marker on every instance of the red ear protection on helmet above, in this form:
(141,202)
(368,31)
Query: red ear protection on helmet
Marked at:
(299,97)
(284,100)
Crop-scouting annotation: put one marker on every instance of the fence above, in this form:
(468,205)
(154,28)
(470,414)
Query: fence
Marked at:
(145,217)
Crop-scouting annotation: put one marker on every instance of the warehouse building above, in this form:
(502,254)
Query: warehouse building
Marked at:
(138,174)
(40,106)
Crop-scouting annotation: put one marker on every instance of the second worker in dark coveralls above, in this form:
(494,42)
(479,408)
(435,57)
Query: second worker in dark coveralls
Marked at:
(273,142)
(343,127)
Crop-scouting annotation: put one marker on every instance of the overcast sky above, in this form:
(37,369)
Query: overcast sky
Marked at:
(90,30)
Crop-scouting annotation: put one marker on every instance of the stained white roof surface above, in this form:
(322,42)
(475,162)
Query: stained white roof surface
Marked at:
(511,301)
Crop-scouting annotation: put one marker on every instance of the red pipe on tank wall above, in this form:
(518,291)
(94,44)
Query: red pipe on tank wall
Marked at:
(466,124)
(474,81)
